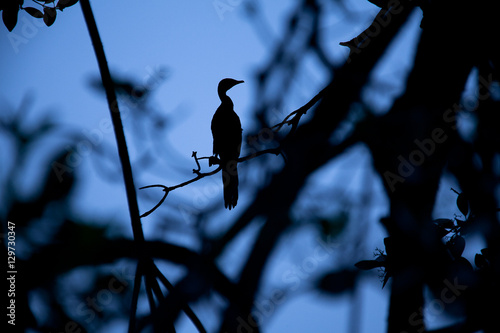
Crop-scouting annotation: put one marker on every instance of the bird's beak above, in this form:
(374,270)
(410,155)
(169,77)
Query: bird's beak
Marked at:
(236,82)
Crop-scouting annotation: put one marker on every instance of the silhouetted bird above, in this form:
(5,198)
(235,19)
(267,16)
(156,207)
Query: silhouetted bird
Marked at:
(226,131)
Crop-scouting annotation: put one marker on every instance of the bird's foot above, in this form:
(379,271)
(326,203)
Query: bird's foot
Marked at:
(213,160)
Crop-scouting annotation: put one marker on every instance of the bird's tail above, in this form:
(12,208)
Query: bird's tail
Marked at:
(230,181)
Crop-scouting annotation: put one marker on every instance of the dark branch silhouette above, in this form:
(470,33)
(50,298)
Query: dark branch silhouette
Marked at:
(411,146)
(201,175)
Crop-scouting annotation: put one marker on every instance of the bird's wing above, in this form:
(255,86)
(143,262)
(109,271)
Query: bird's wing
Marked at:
(226,133)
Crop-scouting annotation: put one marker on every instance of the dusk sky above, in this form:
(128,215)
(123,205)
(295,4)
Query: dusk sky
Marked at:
(51,70)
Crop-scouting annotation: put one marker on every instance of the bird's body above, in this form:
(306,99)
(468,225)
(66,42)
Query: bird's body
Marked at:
(226,132)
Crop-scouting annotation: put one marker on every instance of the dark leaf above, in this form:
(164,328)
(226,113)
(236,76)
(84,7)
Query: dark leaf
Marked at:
(445,223)
(380,3)
(456,245)
(350,44)
(388,245)
(465,264)
(338,281)
(463,204)
(386,278)
(369,264)
(9,15)
(333,226)
(357,44)
(66,3)
(33,12)
(79,234)
(441,231)
(49,16)
(60,178)
(480,261)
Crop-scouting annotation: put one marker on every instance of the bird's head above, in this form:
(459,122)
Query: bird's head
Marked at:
(226,84)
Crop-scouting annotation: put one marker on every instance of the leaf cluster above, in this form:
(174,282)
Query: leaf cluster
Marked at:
(451,232)
(47,12)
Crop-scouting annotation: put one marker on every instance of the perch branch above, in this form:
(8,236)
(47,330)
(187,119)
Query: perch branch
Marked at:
(297,114)
(294,121)
(200,175)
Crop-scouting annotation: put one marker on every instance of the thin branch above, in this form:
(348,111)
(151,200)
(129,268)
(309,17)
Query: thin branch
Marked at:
(124,158)
(196,160)
(167,189)
(201,175)
(299,112)
(156,288)
(151,274)
(185,307)
(135,297)
(148,282)
(117,122)
(276,151)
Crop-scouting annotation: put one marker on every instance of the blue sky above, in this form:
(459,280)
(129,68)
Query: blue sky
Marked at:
(197,45)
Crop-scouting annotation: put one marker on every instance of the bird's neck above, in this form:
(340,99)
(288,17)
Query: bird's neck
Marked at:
(225,100)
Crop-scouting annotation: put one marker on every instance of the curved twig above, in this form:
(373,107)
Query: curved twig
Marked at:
(200,175)
(149,285)
(196,160)
(299,112)
(276,151)
(166,189)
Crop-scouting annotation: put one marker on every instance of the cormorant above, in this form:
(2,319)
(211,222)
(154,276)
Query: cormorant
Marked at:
(226,131)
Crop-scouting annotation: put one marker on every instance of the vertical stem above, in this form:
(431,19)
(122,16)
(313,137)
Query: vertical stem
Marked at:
(135,296)
(133,207)
(127,172)
(117,122)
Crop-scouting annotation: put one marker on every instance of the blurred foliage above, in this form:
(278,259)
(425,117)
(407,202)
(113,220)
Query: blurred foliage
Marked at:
(78,272)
